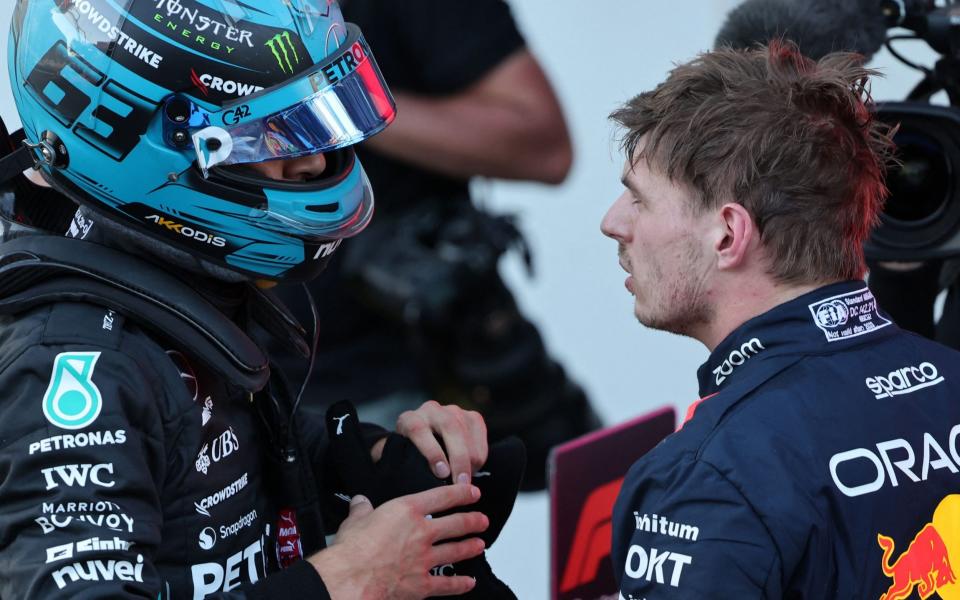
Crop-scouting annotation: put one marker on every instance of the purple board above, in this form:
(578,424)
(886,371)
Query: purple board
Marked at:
(585,478)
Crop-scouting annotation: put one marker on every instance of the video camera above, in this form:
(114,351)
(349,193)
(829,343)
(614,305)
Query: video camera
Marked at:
(921,219)
(440,280)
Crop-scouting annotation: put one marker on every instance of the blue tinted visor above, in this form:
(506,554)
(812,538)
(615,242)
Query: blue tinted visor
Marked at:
(340,102)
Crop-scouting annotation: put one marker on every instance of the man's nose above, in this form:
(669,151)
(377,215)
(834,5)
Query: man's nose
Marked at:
(614,224)
(304,168)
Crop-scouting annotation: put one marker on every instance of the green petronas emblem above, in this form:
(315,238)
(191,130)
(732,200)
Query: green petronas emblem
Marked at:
(73,400)
(284,51)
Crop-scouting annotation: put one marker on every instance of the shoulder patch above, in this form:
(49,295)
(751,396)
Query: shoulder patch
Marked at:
(83,324)
(73,400)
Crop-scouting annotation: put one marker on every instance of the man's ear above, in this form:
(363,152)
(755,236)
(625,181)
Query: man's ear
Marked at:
(736,237)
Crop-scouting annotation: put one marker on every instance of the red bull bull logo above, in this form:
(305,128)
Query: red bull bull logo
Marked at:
(925,566)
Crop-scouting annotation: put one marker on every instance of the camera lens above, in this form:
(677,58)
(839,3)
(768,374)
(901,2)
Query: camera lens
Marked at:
(921,218)
(919,187)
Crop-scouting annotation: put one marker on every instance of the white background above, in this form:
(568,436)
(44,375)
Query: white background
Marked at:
(598,54)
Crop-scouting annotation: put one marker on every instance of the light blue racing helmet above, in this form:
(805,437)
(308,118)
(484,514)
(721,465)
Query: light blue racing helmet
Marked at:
(149,110)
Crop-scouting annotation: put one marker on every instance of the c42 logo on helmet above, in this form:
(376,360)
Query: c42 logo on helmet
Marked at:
(73,400)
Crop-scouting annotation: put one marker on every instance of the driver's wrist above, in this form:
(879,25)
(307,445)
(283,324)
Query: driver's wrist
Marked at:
(344,579)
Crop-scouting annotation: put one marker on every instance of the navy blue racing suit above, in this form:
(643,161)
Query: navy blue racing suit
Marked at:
(824,462)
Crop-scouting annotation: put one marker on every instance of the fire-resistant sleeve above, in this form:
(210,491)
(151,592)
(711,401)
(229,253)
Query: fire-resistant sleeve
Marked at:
(89,446)
(82,509)
(301,577)
(682,530)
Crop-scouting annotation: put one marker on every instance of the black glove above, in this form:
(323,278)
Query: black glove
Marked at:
(402,470)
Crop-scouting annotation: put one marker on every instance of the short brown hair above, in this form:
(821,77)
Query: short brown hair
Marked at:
(790,139)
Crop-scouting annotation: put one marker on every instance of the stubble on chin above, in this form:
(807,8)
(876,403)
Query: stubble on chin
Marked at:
(683,308)
(679,319)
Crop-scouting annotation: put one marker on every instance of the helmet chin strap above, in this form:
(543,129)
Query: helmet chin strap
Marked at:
(127,238)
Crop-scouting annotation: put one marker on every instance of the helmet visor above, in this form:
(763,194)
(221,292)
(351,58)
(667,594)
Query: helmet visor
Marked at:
(342,101)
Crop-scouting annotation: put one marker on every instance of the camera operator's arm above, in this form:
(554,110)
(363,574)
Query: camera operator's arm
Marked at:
(508,125)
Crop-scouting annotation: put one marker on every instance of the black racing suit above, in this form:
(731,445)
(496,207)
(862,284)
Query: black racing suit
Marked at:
(131,467)
(823,463)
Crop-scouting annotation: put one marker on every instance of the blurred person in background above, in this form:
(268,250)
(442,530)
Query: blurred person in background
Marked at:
(823,459)
(416,309)
(148,448)
(909,292)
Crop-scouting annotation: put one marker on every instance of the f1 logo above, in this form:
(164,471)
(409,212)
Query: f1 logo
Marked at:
(591,542)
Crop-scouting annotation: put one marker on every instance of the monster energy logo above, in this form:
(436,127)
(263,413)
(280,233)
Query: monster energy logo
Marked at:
(283,50)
